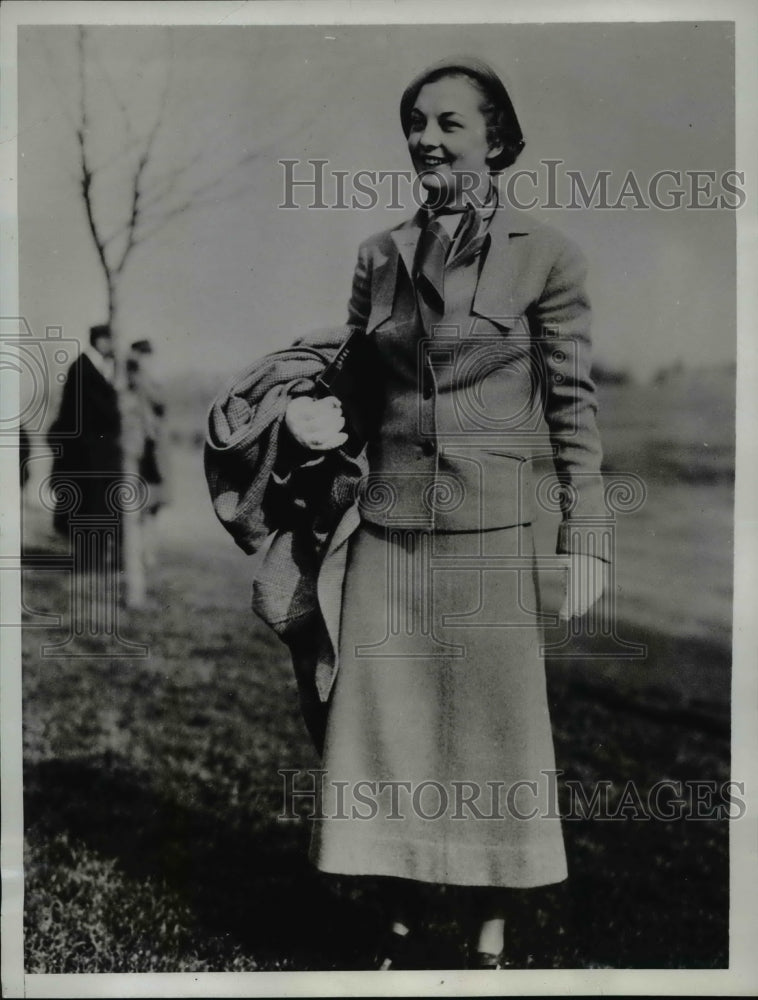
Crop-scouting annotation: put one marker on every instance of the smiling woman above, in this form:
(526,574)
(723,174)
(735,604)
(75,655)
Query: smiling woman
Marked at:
(420,670)
(448,141)
(460,124)
(441,683)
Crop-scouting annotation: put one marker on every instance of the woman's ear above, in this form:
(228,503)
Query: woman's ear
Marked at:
(495,150)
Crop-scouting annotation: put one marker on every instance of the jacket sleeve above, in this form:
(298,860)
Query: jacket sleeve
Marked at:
(561,328)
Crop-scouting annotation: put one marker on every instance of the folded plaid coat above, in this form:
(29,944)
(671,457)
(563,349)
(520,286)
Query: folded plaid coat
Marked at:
(297,517)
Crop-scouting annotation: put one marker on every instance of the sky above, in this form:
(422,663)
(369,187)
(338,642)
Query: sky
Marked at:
(235,275)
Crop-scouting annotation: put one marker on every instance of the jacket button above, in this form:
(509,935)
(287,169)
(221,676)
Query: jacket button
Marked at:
(428,447)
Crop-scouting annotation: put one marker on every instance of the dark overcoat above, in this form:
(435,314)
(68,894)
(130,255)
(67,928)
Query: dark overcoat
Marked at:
(86,435)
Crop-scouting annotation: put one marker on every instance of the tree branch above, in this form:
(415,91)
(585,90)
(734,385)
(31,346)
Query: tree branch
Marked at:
(86,171)
(154,201)
(191,203)
(142,163)
(120,104)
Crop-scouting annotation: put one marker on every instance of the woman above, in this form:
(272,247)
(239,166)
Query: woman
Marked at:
(438,754)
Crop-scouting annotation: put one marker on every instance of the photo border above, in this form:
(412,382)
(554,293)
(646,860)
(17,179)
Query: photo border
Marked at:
(742,975)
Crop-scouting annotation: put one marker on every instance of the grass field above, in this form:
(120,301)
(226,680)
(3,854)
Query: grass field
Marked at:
(151,785)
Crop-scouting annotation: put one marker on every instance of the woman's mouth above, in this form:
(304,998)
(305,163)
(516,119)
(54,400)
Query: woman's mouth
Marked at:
(432,162)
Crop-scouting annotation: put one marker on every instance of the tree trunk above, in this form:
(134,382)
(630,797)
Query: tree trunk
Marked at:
(132,444)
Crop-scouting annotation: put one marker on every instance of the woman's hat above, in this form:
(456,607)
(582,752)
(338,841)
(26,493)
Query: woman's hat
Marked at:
(484,74)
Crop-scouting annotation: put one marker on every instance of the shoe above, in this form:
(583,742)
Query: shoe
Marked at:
(393,953)
(486,960)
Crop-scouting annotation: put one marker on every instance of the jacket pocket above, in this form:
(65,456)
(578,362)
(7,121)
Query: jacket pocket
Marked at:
(503,453)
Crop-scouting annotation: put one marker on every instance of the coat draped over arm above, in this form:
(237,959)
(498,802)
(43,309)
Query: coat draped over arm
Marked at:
(274,500)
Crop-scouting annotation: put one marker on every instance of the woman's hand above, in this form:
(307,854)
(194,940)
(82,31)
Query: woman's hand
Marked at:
(316,423)
(585,583)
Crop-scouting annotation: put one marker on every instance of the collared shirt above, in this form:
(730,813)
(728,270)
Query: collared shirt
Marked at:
(451,221)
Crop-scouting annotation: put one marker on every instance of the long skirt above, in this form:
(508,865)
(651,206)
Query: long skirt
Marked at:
(439,762)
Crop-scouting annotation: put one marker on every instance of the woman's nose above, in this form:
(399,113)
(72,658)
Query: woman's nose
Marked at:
(431,137)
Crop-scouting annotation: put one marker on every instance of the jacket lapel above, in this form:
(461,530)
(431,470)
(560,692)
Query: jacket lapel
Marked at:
(383,277)
(406,239)
(494,291)
(385,274)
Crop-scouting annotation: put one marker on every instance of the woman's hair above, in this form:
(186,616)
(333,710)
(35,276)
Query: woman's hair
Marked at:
(502,124)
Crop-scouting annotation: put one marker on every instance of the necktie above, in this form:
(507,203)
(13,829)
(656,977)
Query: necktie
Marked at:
(468,240)
(433,247)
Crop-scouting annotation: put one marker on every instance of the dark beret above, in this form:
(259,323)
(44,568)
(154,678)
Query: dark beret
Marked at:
(492,85)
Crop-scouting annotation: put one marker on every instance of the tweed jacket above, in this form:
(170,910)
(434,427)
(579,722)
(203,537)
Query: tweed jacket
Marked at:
(502,378)
(297,523)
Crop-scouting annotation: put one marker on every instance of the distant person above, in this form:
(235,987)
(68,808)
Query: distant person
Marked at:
(87,431)
(24,454)
(150,411)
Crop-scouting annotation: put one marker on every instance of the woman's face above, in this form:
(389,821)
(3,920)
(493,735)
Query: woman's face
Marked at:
(448,140)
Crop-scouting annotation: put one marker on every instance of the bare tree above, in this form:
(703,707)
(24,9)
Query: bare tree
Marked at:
(121,219)
(114,251)
(151,201)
